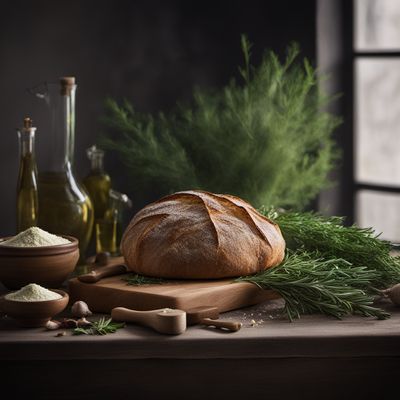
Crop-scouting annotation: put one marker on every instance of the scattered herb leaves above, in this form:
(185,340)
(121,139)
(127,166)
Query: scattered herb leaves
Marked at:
(138,280)
(101,327)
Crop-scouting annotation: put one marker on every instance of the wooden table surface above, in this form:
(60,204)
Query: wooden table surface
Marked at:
(354,357)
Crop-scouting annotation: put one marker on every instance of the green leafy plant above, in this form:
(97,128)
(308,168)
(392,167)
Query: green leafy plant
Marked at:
(266,139)
(101,327)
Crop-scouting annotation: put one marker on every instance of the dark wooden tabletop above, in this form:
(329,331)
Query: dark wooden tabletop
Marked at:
(265,333)
(312,353)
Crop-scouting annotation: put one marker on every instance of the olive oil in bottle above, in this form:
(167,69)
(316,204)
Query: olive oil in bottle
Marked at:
(106,233)
(27,192)
(97,182)
(64,205)
(109,228)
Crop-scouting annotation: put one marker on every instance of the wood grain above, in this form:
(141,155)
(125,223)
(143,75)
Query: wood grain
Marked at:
(113,292)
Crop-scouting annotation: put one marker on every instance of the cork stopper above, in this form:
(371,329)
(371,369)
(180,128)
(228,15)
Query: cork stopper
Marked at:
(27,123)
(67,80)
(67,84)
(27,127)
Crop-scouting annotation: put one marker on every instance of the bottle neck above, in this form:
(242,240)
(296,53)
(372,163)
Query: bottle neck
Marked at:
(59,156)
(97,163)
(27,142)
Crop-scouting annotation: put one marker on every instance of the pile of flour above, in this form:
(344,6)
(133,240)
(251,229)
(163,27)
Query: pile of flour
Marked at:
(34,237)
(33,292)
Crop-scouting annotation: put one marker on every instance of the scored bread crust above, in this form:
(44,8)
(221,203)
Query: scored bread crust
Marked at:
(201,235)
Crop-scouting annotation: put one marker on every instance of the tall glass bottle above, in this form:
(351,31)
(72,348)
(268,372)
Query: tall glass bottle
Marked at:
(64,205)
(97,182)
(27,191)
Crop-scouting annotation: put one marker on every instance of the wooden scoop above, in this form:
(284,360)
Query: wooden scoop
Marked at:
(208,316)
(102,272)
(163,320)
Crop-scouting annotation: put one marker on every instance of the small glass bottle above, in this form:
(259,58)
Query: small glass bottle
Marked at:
(97,182)
(27,192)
(109,228)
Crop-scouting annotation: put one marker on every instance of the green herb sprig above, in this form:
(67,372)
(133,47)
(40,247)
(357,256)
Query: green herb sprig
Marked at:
(333,240)
(139,280)
(309,283)
(101,327)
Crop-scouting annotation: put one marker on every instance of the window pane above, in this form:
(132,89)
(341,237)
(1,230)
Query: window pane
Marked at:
(377,25)
(380,211)
(377,121)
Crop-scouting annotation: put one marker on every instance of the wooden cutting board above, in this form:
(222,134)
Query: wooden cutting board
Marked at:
(113,291)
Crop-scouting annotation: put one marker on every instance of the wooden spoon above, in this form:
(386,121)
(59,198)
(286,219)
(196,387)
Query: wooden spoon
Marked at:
(163,320)
(102,272)
(208,316)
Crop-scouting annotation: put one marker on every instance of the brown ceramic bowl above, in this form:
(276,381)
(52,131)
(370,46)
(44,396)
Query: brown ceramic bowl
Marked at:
(48,266)
(32,314)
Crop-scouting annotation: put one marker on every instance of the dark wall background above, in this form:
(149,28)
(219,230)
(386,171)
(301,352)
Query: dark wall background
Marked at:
(151,52)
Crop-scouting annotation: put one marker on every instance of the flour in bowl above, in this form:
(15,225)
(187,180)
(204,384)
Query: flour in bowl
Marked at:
(33,292)
(34,237)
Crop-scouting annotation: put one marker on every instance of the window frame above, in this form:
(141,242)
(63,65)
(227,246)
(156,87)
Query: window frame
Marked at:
(360,55)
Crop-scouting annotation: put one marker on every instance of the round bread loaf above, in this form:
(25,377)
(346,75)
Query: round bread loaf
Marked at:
(201,235)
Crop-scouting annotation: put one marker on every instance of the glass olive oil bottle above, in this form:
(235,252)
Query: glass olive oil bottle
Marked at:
(27,192)
(64,205)
(97,182)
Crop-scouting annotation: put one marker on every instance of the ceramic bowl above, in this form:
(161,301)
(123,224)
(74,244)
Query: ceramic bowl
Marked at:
(48,266)
(32,314)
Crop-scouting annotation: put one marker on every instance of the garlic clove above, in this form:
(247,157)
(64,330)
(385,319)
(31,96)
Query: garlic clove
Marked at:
(80,309)
(393,293)
(82,322)
(53,324)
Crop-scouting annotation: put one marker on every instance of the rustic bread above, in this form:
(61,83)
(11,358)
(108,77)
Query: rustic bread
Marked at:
(201,235)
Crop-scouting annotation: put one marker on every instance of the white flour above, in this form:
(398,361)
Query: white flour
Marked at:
(33,292)
(34,237)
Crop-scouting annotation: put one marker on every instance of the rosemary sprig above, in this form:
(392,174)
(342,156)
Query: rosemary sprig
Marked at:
(138,280)
(101,327)
(328,236)
(309,283)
